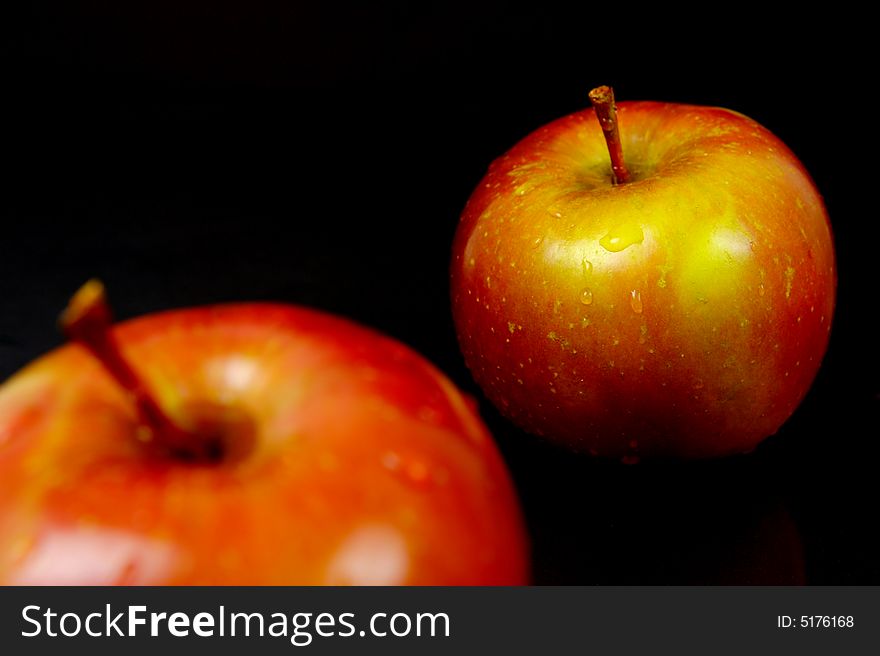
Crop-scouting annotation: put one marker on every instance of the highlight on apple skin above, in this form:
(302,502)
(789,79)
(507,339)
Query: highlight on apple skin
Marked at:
(322,453)
(682,312)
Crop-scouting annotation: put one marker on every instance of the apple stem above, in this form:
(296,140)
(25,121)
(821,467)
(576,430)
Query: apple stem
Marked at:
(87,320)
(606,111)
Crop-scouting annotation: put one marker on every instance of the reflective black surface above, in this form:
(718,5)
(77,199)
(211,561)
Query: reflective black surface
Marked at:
(191,153)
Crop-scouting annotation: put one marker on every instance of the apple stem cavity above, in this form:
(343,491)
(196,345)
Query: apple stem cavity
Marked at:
(606,111)
(87,320)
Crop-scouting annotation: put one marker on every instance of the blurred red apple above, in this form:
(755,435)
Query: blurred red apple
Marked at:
(677,306)
(246,444)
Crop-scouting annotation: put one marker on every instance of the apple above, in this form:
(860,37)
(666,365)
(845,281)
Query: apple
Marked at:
(246,444)
(676,303)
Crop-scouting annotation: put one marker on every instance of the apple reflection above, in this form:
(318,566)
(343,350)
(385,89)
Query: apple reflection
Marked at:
(597,522)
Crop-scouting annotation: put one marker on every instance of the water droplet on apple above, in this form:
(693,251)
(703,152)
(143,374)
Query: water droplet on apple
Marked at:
(417,472)
(413,470)
(537,242)
(586,296)
(635,301)
(622,237)
(587,266)
(428,414)
(391,461)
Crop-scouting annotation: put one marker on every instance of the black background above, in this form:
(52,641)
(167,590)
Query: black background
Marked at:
(197,151)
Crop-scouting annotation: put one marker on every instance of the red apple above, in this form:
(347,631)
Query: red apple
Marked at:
(246,444)
(680,310)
